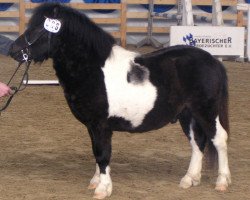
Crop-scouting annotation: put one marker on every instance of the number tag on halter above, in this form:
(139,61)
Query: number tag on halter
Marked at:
(52,25)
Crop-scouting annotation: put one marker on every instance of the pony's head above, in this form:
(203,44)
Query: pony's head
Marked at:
(41,33)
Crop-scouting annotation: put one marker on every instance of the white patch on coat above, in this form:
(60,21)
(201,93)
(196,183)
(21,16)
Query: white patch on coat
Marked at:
(193,175)
(127,100)
(220,143)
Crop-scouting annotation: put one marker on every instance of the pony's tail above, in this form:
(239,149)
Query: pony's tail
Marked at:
(224,120)
(223,106)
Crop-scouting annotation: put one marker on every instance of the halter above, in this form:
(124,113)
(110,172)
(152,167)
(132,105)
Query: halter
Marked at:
(50,26)
(26,59)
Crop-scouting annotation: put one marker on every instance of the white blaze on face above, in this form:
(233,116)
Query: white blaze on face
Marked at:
(127,100)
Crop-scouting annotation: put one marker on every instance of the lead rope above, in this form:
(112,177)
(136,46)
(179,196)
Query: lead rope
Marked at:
(24,82)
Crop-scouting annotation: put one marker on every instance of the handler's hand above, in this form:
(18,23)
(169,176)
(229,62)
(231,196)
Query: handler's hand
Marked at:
(4,90)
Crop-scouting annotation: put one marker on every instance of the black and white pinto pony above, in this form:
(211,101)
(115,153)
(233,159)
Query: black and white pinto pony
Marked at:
(109,88)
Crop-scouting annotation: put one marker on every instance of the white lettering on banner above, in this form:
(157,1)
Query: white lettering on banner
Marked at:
(52,25)
(216,40)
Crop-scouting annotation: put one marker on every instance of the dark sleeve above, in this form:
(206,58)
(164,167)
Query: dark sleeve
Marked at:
(5,43)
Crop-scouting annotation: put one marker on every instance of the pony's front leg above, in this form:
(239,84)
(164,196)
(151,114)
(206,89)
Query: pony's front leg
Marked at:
(101,144)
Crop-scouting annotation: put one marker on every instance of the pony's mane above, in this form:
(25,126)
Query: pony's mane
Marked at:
(76,26)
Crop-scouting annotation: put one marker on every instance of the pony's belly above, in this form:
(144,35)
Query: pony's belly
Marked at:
(122,125)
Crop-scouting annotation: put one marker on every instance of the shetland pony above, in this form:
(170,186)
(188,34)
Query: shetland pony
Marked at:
(109,88)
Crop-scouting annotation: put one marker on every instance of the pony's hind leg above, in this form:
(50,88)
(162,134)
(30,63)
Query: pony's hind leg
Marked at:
(197,140)
(101,145)
(220,143)
(209,119)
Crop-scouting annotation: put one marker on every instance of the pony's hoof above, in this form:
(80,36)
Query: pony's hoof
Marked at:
(102,191)
(101,195)
(223,182)
(94,182)
(187,182)
(92,186)
(221,188)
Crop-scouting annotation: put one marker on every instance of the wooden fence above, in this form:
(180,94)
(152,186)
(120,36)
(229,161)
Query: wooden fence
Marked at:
(121,20)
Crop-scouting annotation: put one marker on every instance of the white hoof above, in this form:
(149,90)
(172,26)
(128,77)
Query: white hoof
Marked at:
(102,191)
(101,195)
(187,181)
(92,186)
(223,182)
(94,182)
(104,188)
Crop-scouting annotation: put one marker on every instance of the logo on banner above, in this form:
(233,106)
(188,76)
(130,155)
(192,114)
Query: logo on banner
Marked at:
(189,40)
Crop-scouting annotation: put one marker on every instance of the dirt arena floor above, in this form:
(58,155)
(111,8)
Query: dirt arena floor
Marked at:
(45,153)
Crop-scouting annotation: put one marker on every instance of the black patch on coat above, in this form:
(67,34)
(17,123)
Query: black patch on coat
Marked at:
(137,74)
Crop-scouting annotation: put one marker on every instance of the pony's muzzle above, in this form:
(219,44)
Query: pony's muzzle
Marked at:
(20,55)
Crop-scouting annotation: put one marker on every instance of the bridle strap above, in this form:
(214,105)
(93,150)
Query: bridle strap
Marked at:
(29,43)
